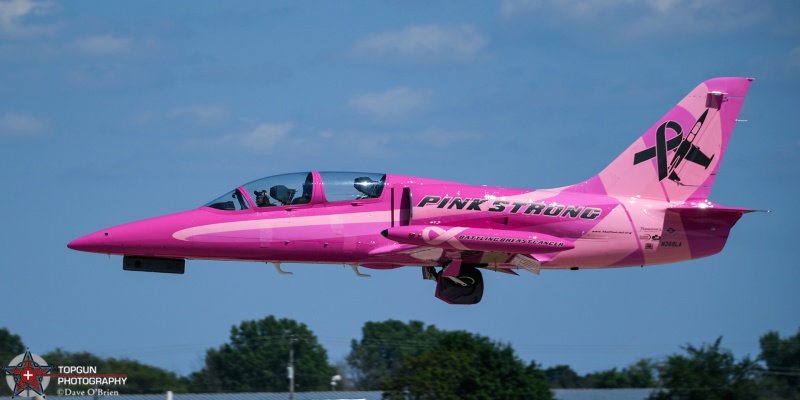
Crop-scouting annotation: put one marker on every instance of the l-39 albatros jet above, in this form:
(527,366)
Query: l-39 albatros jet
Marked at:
(649,206)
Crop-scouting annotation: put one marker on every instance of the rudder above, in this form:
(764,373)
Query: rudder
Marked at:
(677,159)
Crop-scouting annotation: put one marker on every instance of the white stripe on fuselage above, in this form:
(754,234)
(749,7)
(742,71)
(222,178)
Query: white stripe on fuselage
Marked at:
(285,222)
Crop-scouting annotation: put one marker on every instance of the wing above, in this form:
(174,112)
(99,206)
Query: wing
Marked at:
(501,249)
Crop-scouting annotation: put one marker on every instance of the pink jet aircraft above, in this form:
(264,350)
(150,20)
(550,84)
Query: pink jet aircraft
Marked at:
(649,206)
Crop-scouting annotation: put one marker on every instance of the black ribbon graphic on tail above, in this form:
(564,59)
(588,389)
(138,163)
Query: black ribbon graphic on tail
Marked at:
(685,149)
(661,148)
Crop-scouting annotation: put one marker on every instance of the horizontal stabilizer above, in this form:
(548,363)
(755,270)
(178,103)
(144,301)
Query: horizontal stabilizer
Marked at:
(716,211)
(706,228)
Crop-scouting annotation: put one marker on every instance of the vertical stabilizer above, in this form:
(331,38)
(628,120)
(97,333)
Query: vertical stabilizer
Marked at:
(678,158)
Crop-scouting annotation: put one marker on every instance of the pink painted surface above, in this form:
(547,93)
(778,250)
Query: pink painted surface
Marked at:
(649,206)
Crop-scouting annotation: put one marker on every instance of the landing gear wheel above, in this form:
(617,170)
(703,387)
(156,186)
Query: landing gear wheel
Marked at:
(466,288)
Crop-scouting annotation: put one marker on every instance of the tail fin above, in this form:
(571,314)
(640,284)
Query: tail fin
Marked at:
(678,158)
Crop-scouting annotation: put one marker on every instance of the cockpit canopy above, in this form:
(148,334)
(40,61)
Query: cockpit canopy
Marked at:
(302,188)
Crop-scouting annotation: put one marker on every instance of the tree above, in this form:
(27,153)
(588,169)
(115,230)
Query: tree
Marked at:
(10,346)
(467,366)
(564,377)
(608,379)
(782,357)
(642,374)
(257,357)
(707,373)
(142,378)
(639,375)
(383,348)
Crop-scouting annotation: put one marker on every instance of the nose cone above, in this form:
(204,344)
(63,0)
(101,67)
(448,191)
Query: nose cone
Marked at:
(150,237)
(94,243)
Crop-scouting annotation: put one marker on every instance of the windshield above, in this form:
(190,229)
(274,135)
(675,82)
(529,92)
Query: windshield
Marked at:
(342,186)
(231,201)
(281,190)
(298,188)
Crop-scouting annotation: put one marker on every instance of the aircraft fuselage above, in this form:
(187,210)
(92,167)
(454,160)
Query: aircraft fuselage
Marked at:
(649,206)
(599,231)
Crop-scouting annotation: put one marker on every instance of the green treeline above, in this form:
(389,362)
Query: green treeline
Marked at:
(417,361)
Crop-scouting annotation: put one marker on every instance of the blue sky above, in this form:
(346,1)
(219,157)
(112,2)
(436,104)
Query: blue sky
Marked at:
(117,111)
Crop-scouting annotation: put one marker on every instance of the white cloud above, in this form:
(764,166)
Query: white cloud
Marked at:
(202,115)
(392,103)
(103,45)
(589,8)
(509,8)
(631,20)
(512,8)
(262,137)
(13,12)
(21,125)
(662,5)
(429,43)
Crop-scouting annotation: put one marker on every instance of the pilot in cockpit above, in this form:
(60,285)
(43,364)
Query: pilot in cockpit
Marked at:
(262,199)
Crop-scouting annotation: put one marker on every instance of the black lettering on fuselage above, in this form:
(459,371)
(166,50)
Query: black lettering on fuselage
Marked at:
(535,208)
(542,209)
(591,213)
(517,207)
(572,212)
(428,199)
(498,206)
(476,204)
(458,203)
(553,210)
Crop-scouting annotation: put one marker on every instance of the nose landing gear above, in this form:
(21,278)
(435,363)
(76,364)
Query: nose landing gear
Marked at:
(457,284)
